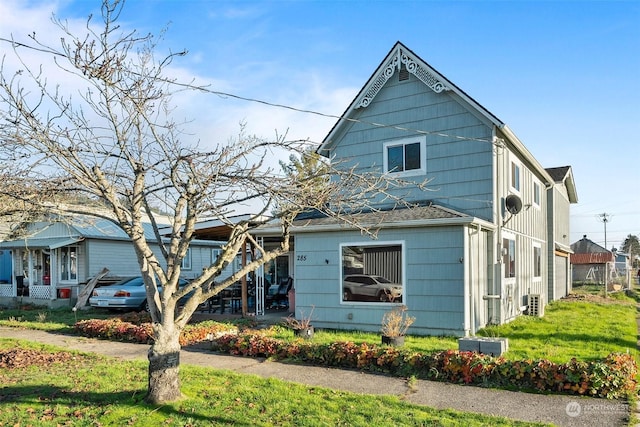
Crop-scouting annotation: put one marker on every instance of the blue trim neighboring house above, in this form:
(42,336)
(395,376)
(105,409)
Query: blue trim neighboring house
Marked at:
(53,259)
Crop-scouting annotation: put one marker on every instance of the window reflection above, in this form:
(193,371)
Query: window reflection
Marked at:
(372,273)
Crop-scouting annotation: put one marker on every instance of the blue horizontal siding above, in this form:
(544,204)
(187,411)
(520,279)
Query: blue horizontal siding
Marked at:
(432,271)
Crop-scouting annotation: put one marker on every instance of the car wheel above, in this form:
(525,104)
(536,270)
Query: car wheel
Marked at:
(145,306)
(346,295)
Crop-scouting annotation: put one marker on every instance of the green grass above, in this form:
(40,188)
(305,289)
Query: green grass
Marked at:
(41,318)
(584,330)
(94,391)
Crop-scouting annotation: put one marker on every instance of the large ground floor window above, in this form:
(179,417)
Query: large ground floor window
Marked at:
(372,272)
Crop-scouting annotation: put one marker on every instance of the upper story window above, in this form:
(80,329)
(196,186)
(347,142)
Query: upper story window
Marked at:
(536,194)
(515,176)
(406,156)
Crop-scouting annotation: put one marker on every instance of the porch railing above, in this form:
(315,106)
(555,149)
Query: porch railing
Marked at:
(35,291)
(6,290)
(40,292)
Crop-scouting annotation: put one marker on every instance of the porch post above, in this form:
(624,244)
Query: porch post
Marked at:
(243,281)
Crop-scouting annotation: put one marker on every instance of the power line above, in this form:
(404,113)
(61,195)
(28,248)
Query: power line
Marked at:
(333,116)
(497,142)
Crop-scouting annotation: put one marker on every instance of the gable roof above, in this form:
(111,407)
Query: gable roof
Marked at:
(586,246)
(564,175)
(588,252)
(76,228)
(400,56)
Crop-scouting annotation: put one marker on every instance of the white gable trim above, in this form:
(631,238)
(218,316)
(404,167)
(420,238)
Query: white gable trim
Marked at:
(384,72)
(413,65)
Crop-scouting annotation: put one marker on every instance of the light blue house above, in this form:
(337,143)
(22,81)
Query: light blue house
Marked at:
(52,259)
(480,249)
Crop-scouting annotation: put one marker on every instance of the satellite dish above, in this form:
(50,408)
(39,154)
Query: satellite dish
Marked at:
(513,204)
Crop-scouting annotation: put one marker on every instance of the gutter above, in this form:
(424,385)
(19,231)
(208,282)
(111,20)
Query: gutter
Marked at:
(439,222)
(526,154)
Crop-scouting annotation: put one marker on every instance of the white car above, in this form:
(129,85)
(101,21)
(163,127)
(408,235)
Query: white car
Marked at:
(365,287)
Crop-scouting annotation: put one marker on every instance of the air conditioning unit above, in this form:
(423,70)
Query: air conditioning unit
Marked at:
(535,306)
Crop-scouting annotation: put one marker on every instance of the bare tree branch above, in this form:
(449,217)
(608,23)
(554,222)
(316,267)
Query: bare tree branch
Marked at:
(114,142)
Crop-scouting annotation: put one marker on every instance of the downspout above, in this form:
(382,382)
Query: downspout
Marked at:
(14,265)
(479,263)
(468,288)
(494,296)
(474,274)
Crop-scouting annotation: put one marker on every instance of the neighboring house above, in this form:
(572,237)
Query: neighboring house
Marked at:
(64,254)
(591,263)
(560,196)
(623,263)
(5,256)
(486,244)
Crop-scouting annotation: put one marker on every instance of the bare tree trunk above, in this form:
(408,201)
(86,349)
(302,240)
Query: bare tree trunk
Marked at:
(164,365)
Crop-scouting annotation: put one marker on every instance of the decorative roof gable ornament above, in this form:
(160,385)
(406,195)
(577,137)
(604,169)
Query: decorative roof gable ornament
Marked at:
(412,65)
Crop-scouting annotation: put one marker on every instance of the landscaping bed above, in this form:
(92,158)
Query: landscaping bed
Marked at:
(610,376)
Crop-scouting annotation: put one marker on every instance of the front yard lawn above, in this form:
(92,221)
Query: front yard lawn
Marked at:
(89,390)
(583,327)
(584,345)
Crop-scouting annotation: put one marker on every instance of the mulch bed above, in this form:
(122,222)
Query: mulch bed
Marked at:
(17,358)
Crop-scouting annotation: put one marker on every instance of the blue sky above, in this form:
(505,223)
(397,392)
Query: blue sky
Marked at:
(565,76)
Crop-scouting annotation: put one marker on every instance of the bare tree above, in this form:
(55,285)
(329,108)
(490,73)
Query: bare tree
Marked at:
(116,143)
(631,245)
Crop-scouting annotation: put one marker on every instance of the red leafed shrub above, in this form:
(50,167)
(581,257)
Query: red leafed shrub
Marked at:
(612,377)
(464,366)
(117,329)
(252,343)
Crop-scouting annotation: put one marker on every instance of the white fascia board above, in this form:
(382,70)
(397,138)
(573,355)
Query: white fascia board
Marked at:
(526,154)
(439,222)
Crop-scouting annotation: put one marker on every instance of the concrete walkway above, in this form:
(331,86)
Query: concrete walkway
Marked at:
(554,409)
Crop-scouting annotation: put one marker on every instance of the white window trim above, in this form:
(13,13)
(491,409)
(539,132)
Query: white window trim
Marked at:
(403,248)
(60,268)
(215,254)
(509,236)
(533,194)
(186,261)
(422,170)
(533,273)
(512,162)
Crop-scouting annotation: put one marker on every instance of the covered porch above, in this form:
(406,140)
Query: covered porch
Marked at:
(43,271)
(267,291)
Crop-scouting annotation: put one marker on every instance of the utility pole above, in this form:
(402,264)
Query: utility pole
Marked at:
(605,218)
